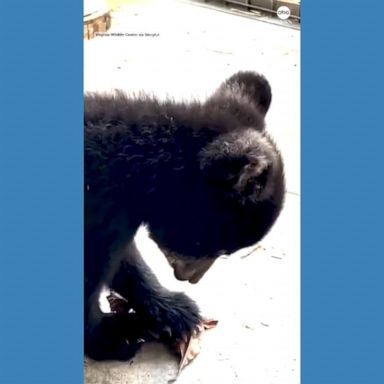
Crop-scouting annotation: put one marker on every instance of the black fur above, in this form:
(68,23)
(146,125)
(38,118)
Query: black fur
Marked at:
(205,177)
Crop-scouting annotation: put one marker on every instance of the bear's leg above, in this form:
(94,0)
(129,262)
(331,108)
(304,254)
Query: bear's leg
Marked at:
(165,312)
(112,336)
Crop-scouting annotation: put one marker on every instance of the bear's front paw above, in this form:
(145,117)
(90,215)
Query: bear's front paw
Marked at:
(175,318)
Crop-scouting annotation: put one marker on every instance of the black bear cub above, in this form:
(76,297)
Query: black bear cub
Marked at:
(207,180)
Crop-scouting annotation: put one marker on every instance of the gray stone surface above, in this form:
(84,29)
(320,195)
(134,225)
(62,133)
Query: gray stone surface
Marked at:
(255,294)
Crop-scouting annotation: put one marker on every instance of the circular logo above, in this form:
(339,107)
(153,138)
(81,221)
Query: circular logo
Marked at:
(283,12)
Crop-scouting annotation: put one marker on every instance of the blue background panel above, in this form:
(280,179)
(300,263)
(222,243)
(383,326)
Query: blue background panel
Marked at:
(342,191)
(41,200)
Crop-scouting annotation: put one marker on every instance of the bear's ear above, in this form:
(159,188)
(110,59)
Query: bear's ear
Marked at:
(245,164)
(254,175)
(243,176)
(247,87)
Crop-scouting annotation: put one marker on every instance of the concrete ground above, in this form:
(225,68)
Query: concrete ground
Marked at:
(255,294)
